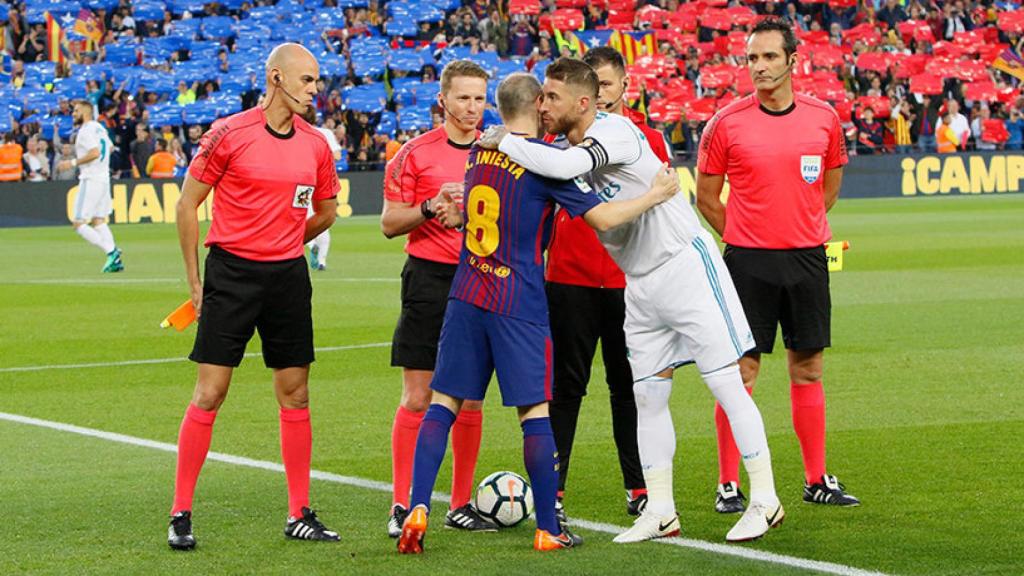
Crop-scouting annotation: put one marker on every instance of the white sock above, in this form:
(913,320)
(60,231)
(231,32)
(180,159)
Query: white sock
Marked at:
(762,481)
(323,244)
(726,385)
(106,238)
(656,440)
(91,236)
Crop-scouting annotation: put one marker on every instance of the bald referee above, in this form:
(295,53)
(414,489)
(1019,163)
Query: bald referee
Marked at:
(774,228)
(268,166)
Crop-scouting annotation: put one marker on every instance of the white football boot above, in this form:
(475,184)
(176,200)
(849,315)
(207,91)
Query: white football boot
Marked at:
(648,527)
(758,519)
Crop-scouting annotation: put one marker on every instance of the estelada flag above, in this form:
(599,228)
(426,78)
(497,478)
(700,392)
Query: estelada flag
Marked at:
(89,27)
(56,42)
(633,45)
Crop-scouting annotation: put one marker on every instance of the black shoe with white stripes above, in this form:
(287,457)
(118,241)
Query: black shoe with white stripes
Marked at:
(829,491)
(729,499)
(395,521)
(635,504)
(467,517)
(179,533)
(560,513)
(309,527)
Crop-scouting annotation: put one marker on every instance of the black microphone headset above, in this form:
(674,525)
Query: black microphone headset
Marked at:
(789,70)
(277,82)
(625,84)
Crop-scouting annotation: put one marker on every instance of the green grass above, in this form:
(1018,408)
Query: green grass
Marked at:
(925,412)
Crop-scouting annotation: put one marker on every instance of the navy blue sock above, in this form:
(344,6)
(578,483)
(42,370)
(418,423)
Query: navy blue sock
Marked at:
(431,444)
(541,458)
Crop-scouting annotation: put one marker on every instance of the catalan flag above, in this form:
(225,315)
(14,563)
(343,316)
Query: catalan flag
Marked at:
(56,41)
(89,27)
(594,38)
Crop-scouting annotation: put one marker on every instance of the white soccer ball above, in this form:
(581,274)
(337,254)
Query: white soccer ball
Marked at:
(504,498)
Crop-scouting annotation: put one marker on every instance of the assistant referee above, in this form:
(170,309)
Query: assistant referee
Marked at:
(268,166)
(784,155)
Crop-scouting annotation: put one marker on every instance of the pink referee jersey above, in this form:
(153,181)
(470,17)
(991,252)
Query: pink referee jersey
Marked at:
(264,183)
(416,174)
(776,163)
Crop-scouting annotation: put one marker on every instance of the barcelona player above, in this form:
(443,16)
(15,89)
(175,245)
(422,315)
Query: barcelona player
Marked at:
(497,319)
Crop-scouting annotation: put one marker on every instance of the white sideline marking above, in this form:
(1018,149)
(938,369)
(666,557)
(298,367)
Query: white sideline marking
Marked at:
(116,281)
(714,548)
(170,360)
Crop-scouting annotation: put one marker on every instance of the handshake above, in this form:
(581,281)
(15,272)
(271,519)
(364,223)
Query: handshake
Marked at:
(447,205)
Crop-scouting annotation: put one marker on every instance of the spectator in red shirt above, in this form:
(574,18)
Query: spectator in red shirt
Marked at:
(269,166)
(870,132)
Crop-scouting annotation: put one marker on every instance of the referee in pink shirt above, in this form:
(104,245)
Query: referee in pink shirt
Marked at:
(268,166)
(784,155)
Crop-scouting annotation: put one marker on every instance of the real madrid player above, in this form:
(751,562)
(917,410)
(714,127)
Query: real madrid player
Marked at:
(681,306)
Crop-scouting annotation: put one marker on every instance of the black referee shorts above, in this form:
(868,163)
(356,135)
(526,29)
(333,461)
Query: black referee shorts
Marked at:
(425,287)
(787,287)
(241,295)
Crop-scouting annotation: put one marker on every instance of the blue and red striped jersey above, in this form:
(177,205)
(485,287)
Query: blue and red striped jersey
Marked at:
(508,213)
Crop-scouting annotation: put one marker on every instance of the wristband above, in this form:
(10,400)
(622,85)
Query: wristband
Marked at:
(74,162)
(426,211)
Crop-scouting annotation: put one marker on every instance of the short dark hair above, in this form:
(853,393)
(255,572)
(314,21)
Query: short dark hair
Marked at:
(575,73)
(782,27)
(605,56)
(517,95)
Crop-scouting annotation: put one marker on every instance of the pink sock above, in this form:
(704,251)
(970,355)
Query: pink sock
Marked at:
(465,449)
(296,452)
(403,449)
(808,404)
(193,444)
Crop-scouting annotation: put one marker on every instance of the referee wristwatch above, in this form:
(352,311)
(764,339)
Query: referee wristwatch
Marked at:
(426,211)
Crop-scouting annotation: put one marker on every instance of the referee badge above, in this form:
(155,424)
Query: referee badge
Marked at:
(303,196)
(810,168)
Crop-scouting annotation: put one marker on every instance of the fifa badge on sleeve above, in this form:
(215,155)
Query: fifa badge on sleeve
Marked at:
(810,168)
(303,196)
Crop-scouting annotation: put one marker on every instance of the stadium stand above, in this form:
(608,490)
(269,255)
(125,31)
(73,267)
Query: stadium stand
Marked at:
(181,63)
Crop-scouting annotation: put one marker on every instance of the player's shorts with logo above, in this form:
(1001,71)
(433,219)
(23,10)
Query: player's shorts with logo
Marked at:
(787,287)
(684,311)
(425,288)
(93,199)
(476,343)
(242,295)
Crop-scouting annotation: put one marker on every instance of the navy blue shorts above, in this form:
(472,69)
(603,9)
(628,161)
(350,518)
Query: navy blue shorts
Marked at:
(476,343)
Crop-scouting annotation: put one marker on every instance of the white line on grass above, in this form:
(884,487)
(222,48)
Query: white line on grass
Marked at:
(714,548)
(169,360)
(118,281)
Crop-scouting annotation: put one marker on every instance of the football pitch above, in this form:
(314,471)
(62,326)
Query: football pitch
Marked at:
(925,412)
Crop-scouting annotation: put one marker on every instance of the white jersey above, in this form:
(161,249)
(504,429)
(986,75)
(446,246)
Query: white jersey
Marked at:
(91,135)
(332,140)
(617,160)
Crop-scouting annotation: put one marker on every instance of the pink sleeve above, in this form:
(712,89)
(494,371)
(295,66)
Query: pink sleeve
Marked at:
(711,155)
(211,162)
(836,156)
(400,177)
(326,175)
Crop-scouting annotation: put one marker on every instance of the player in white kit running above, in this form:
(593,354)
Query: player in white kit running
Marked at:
(93,204)
(319,246)
(681,306)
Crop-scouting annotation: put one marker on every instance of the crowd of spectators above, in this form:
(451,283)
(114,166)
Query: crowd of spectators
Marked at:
(881,108)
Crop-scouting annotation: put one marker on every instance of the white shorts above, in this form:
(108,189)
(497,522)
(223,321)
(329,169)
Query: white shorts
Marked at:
(684,311)
(93,199)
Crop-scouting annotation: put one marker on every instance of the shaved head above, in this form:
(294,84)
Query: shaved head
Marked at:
(287,57)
